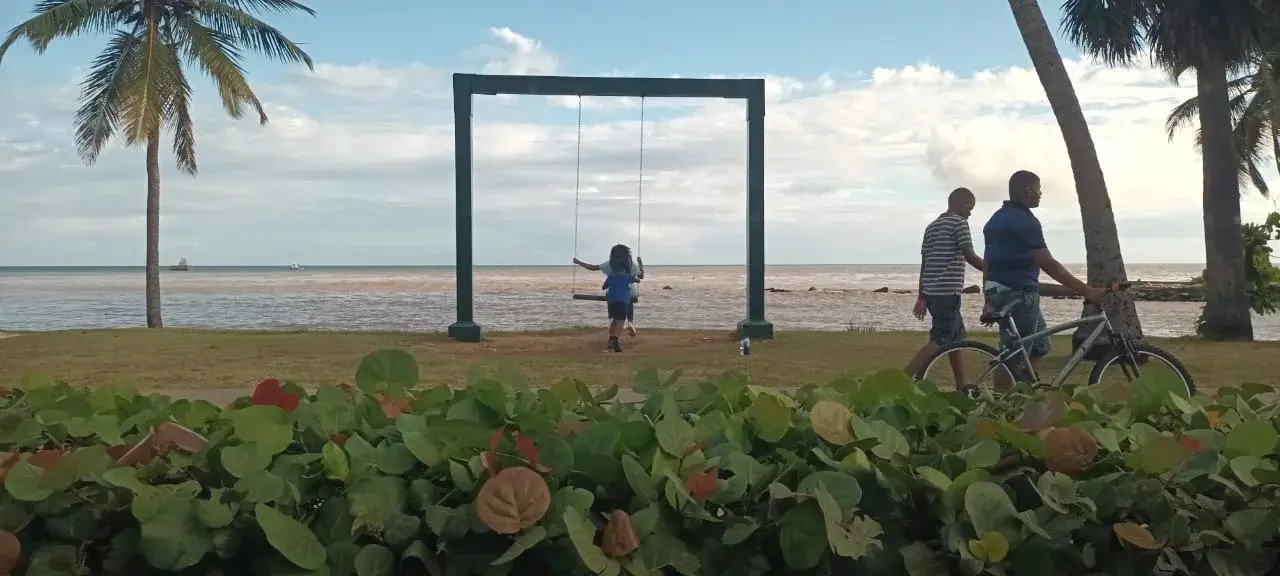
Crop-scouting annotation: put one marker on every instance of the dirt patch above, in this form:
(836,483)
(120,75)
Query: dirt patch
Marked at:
(4,335)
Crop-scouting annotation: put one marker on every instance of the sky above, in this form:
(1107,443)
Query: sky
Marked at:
(875,112)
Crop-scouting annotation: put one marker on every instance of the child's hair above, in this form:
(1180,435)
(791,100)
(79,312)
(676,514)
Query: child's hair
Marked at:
(620,259)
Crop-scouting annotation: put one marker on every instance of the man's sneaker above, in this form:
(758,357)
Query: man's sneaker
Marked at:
(614,345)
(631,329)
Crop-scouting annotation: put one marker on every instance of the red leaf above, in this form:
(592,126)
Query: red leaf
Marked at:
(46,459)
(270,393)
(117,452)
(528,450)
(10,552)
(1191,443)
(172,434)
(141,453)
(702,485)
(496,439)
(349,389)
(394,407)
(340,439)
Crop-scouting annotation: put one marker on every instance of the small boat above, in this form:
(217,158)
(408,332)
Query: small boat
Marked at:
(181,266)
(295,266)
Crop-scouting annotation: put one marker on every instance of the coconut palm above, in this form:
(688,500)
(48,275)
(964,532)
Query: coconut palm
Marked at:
(1211,37)
(138,86)
(1102,242)
(1255,114)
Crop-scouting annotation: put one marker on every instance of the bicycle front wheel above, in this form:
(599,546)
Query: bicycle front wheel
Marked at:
(964,365)
(1117,367)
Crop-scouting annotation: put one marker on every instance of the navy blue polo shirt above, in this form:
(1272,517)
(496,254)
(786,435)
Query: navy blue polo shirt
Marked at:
(1011,236)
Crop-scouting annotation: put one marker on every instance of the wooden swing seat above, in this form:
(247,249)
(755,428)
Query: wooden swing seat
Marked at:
(600,298)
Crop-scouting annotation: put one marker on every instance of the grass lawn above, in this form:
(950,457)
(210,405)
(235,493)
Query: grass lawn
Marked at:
(189,359)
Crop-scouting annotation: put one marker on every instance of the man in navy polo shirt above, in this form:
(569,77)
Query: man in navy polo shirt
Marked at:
(1015,255)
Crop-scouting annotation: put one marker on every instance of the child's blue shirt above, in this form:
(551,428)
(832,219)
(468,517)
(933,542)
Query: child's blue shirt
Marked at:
(617,288)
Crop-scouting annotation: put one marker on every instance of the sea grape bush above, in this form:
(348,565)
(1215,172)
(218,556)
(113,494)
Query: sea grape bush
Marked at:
(860,476)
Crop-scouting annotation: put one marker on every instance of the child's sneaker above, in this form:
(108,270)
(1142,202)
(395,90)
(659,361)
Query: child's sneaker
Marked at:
(631,329)
(614,344)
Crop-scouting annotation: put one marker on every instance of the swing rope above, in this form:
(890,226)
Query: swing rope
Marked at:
(577,196)
(577,202)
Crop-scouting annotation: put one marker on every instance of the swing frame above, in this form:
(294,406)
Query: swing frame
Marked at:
(466,86)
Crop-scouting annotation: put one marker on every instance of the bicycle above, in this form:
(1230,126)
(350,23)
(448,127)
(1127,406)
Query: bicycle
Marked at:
(1130,356)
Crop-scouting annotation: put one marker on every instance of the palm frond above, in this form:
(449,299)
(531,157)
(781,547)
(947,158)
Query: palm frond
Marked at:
(277,6)
(66,18)
(100,92)
(250,32)
(1111,30)
(1181,116)
(151,88)
(218,56)
(177,116)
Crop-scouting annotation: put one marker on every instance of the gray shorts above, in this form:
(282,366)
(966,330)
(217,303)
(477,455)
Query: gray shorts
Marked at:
(948,322)
(1026,315)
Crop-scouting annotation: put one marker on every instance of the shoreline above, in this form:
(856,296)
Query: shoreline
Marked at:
(1142,291)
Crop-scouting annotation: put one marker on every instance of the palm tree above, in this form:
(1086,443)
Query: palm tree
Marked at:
(138,86)
(1102,242)
(1211,37)
(1255,114)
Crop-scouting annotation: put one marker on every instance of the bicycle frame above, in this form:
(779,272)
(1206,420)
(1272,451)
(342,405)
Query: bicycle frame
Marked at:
(1019,344)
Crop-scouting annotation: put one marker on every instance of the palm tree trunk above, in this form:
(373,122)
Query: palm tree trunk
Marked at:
(154,319)
(1102,242)
(1226,311)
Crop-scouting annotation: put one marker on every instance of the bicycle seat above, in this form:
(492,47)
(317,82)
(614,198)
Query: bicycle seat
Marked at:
(993,316)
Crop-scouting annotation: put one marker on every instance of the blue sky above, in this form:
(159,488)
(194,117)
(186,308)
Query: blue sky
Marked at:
(876,111)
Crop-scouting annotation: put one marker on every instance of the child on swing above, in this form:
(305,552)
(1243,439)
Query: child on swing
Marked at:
(619,267)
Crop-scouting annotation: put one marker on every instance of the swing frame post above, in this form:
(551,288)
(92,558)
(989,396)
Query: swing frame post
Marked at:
(466,86)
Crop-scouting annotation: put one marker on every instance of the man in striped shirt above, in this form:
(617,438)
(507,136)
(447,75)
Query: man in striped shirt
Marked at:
(947,246)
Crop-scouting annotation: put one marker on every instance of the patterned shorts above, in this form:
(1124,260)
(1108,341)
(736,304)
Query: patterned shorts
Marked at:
(948,322)
(1026,315)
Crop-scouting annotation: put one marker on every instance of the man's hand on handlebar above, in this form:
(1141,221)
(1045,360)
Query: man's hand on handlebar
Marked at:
(1097,295)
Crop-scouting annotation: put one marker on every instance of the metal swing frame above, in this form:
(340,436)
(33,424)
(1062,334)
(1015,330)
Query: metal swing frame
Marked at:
(466,86)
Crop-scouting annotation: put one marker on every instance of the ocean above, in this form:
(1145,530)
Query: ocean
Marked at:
(421,298)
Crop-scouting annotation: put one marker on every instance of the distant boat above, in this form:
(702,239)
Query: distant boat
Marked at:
(295,266)
(181,266)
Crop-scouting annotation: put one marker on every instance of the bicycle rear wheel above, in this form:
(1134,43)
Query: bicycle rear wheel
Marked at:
(965,364)
(1117,367)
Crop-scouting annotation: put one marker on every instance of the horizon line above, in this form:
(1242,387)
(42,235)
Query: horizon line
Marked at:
(165,267)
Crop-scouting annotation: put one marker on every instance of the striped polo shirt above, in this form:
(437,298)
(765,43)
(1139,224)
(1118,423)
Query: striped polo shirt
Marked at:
(943,255)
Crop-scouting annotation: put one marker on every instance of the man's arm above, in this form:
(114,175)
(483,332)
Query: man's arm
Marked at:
(587,265)
(640,269)
(965,241)
(1051,265)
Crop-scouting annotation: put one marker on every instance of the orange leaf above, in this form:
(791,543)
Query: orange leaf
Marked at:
(702,485)
(986,428)
(515,499)
(1069,451)
(172,434)
(620,536)
(349,389)
(496,439)
(527,449)
(1136,536)
(394,407)
(340,439)
(116,452)
(46,459)
(141,453)
(270,393)
(1190,443)
(1215,419)
(10,552)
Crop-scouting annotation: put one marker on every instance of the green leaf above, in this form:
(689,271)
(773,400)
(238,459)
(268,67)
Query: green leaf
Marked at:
(738,531)
(383,368)
(770,417)
(174,540)
(991,549)
(920,560)
(802,536)
(244,459)
(934,477)
(526,540)
(842,487)
(1057,491)
(23,482)
(213,514)
(297,543)
(639,480)
(334,460)
(988,507)
(984,454)
(422,448)
(1252,526)
(270,427)
(395,459)
(890,442)
(1246,467)
(1160,454)
(1252,438)
(675,436)
(375,560)
(582,534)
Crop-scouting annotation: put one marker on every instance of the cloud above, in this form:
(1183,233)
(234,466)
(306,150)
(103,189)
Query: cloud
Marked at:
(356,167)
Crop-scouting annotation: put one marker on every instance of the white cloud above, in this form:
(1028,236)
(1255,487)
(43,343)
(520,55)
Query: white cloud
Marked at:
(357,167)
